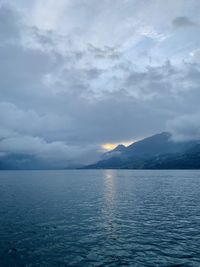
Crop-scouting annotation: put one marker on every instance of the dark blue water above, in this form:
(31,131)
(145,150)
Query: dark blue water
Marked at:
(100,218)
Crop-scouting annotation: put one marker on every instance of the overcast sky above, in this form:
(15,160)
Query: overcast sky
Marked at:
(77,74)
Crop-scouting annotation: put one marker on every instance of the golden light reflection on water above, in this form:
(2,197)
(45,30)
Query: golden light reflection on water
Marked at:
(109,187)
(109,200)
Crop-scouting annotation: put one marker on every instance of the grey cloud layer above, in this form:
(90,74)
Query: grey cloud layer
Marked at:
(75,82)
(183,22)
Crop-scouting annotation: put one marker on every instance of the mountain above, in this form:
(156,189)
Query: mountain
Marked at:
(155,152)
(22,162)
(116,152)
(189,159)
(178,161)
(17,161)
(119,148)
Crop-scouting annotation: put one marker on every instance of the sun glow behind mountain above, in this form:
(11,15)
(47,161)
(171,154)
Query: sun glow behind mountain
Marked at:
(110,146)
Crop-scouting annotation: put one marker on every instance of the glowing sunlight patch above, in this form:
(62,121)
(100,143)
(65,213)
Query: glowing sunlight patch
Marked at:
(109,146)
(113,146)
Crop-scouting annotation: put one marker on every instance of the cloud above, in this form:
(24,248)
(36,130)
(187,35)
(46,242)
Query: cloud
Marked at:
(56,154)
(183,21)
(106,52)
(84,78)
(185,127)
(196,55)
(9,24)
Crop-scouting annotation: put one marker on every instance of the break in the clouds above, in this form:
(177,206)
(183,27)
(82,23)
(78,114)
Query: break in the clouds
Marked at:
(79,74)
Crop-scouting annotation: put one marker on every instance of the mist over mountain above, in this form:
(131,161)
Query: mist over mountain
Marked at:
(22,162)
(159,151)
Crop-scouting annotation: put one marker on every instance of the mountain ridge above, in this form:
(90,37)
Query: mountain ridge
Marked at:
(157,151)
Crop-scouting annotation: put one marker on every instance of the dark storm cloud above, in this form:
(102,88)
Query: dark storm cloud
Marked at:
(183,22)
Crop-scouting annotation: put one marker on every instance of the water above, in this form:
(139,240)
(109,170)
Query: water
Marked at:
(99,218)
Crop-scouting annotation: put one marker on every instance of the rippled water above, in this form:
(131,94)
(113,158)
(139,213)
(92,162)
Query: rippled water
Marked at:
(100,218)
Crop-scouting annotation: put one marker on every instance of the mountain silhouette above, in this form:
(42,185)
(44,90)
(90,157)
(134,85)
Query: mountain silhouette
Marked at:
(157,151)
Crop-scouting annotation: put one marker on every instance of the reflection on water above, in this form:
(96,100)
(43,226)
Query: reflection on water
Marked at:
(109,192)
(109,201)
(99,218)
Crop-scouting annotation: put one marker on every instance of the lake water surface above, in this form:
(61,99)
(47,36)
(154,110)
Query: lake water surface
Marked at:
(99,218)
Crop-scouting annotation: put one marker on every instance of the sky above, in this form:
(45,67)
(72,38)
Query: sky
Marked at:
(80,75)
